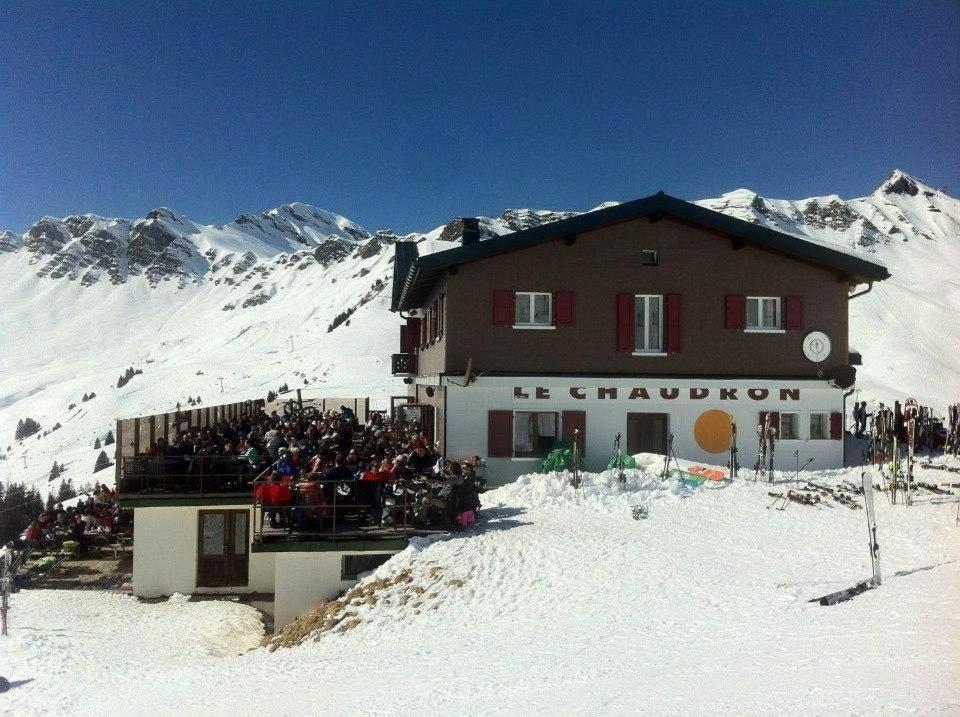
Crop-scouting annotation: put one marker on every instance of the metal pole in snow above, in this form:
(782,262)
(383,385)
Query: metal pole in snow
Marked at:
(6,579)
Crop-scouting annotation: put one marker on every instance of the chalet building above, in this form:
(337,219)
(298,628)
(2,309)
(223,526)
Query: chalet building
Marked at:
(651,319)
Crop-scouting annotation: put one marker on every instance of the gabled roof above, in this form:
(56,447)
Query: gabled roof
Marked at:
(425,270)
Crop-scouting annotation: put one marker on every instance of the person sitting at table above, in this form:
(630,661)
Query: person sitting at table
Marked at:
(284,466)
(421,460)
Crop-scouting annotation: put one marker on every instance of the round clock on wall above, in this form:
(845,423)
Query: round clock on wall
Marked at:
(816,346)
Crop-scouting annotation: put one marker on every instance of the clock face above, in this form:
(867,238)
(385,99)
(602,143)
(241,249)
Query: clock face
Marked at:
(816,346)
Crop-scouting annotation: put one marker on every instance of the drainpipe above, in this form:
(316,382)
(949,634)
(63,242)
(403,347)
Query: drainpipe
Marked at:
(843,433)
(858,294)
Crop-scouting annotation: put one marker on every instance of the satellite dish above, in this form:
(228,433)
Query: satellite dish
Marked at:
(816,346)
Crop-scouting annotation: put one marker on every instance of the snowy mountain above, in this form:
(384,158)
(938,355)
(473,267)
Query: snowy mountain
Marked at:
(296,295)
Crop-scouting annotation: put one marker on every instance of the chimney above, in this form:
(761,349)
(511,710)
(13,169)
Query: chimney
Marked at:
(471,231)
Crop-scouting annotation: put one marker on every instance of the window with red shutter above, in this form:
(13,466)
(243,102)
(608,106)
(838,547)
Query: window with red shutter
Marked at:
(625,338)
(674,333)
(774,419)
(503,308)
(836,426)
(735,316)
(575,420)
(500,434)
(563,311)
(793,312)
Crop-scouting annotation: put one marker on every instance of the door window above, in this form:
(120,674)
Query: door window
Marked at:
(214,528)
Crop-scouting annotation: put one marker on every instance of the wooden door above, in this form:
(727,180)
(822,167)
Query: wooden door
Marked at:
(222,548)
(647,433)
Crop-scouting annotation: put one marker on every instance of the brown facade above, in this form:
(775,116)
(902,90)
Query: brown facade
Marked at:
(700,265)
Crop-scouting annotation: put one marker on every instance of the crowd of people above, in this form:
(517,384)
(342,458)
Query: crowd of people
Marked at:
(73,527)
(306,462)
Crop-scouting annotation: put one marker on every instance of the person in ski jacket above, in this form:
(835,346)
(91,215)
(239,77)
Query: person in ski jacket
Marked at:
(421,460)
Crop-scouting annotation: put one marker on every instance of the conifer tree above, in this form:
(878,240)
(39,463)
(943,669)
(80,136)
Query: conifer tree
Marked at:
(102,462)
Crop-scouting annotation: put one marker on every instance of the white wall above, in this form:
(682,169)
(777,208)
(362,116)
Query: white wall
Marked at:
(305,580)
(165,554)
(467,416)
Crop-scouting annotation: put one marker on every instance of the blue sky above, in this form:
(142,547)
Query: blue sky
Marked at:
(404,115)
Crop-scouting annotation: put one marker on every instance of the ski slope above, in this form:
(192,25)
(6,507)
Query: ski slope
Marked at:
(558,601)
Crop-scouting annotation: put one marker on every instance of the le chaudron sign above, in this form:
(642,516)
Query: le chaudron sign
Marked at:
(615,393)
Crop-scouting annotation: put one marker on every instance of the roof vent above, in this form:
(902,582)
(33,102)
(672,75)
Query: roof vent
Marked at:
(471,231)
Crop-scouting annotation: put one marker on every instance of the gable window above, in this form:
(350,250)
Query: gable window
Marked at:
(533,309)
(534,433)
(819,426)
(648,323)
(763,313)
(790,426)
(649,257)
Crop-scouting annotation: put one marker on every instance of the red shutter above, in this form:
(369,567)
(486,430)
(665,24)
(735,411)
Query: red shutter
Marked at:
(793,312)
(625,320)
(409,335)
(674,335)
(736,312)
(774,419)
(440,302)
(500,434)
(836,426)
(575,420)
(503,308)
(433,320)
(563,308)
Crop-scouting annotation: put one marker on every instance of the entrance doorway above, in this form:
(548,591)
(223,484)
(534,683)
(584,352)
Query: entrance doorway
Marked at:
(647,433)
(222,547)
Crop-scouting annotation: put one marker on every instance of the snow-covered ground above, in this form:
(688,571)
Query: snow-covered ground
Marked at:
(557,602)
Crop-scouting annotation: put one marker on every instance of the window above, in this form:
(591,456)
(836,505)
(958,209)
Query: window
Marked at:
(790,426)
(648,257)
(819,426)
(534,433)
(648,317)
(533,309)
(763,313)
(352,566)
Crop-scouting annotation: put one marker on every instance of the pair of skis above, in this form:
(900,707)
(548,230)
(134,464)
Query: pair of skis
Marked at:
(873,546)
(766,433)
